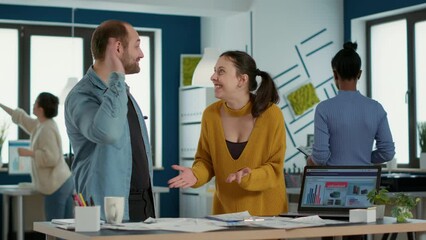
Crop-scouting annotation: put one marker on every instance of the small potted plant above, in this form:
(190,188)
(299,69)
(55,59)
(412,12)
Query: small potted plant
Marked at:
(379,198)
(403,205)
(3,135)
(421,127)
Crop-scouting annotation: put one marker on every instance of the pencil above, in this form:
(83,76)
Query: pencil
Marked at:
(82,200)
(77,200)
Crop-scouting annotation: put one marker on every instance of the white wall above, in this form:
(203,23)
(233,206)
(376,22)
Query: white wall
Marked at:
(279,28)
(226,33)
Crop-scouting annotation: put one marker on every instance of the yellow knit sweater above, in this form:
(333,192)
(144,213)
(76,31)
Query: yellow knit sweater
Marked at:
(262,192)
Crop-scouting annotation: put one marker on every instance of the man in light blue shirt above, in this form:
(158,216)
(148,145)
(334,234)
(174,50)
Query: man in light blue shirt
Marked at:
(347,125)
(106,127)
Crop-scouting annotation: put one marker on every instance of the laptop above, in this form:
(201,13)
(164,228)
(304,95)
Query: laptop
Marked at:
(331,191)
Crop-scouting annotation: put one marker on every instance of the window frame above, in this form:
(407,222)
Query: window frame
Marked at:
(411,18)
(26,30)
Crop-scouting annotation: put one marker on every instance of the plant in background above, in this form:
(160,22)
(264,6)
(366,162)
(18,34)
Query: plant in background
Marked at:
(3,133)
(403,206)
(421,126)
(379,197)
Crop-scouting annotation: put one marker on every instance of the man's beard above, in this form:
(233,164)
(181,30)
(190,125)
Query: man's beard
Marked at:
(132,68)
(129,66)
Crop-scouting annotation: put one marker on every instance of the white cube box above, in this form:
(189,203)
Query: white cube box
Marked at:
(362,215)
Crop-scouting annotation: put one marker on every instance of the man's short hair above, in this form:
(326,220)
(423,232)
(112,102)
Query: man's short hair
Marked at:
(108,29)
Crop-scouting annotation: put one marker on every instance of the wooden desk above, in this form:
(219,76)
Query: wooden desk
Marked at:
(387,225)
(19,192)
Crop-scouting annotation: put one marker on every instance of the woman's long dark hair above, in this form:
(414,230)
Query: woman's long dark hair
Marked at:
(266,93)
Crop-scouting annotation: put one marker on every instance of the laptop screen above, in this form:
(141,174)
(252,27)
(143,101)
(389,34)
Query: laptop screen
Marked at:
(337,189)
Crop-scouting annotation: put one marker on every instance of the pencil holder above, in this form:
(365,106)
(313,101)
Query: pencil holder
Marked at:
(87,219)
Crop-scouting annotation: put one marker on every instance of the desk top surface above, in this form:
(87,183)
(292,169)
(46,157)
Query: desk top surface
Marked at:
(387,225)
(27,189)
(16,190)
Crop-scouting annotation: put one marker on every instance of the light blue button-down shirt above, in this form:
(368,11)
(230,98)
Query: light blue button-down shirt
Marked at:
(346,127)
(96,121)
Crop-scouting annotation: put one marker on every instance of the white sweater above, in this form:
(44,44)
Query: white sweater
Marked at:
(49,170)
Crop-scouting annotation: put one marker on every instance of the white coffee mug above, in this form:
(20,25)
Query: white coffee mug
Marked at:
(114,209)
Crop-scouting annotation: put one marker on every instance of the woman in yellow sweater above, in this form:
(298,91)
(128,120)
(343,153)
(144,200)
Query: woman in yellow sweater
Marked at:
(242,141)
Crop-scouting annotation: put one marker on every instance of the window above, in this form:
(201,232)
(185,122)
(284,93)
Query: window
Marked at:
(420,73)
(9,84)
(389,71)
(52,76)
(49,57)
(395,58)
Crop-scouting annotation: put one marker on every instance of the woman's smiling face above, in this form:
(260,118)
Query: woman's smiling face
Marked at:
(224,78)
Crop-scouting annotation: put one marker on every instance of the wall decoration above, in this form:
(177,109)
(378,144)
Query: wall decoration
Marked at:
(310,63)
(188,63)
(302,99)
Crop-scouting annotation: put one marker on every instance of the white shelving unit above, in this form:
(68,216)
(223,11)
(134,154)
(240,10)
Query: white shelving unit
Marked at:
(192,102)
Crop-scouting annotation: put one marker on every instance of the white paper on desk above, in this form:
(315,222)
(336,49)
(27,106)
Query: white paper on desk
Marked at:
(67,223)
(63,221)
(315,219)
(170,224)
(283,223)
(290,223)
(309,219)
(230,217)
(125,226)
(186,225)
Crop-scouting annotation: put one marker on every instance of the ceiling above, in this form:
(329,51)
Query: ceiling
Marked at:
(202,8)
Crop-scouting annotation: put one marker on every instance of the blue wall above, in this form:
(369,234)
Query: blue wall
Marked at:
(360,8)
(180,35)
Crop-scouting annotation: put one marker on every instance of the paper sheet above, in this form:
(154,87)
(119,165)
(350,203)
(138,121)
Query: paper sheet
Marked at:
(171,224)
(231,217)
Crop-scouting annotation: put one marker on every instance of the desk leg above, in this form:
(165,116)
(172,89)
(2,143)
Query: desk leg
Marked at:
(5,216)
(20,218)
(48,237)
(385,236)
(157,204)
(419,208)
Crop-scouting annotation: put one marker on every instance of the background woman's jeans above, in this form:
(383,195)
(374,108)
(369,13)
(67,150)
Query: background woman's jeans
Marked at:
(60,203)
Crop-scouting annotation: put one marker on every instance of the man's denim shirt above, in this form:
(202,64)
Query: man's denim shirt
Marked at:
(96,121)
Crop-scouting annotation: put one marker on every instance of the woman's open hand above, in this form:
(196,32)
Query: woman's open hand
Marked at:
(238,175)
(185,179)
